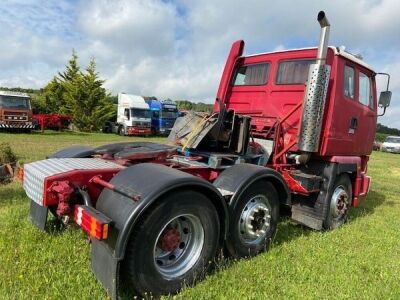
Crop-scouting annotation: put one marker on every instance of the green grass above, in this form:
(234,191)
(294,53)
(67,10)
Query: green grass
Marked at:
(359,260)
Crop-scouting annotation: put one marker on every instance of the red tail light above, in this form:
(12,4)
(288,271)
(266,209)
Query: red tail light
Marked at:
(92,221)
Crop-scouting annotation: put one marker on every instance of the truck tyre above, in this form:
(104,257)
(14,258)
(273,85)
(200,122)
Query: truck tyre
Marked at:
(339,201)
(253,220)
(121,131)
(172,245)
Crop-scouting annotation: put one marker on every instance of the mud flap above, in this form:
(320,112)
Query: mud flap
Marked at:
(38,215)
(108,255)
(105,266)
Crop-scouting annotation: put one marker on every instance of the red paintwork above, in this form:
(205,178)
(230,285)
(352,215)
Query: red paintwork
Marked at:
(294,186)
(97,180)
(276,111)
(63,191)
(26,113)
(138,131)
(53,121)
(76,178)
(271,102)
(169,240)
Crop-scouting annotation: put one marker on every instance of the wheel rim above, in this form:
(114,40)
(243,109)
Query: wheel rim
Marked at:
(178,245)
(339,202)
(255,220)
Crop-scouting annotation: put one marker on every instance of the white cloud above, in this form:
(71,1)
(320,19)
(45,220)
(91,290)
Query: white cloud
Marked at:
(177,48)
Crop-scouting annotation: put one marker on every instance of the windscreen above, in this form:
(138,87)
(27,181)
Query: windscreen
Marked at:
(169,114)
(392,140)
(140,113)
(13,102)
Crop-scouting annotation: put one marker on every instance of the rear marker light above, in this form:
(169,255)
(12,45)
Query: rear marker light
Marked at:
(21,174)
(92,221)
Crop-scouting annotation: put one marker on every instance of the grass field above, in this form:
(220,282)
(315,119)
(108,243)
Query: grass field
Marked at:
(360,260)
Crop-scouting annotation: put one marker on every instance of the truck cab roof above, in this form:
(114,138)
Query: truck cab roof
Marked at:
(132,101)
(13,94)
(340,51)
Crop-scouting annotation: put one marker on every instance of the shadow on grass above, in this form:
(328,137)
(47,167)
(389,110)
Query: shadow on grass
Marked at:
(54,226)
(374,200)
(289,231)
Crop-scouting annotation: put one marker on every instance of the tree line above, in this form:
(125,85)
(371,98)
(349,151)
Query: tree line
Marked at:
(200,106)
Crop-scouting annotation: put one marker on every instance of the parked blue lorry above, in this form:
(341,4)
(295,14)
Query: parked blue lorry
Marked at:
(163,116)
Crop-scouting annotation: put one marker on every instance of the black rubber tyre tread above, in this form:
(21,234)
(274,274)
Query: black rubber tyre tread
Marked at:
(330,222)
(121,131)
(138,268)
(234,245)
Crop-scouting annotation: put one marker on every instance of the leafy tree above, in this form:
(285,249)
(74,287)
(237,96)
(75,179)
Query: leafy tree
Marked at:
(388,130)
(50,99)
(72,70)
(86,100)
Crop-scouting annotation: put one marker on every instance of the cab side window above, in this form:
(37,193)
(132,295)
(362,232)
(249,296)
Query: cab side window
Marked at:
(348,82)
(364,90)
(126,113)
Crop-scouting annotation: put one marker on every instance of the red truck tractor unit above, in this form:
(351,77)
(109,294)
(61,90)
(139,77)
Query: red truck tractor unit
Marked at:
(15,111)
(289,129)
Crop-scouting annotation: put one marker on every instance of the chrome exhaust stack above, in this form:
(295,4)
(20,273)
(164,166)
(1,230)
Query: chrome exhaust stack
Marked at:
(315,93)
(323,38)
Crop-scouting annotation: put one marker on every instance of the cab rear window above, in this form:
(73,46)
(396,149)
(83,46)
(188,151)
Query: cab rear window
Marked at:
(256,74)
(293,71)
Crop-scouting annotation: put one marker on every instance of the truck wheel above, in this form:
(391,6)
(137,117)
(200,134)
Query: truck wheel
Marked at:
(173,244)
(253,220)
(121,130)
(339,202)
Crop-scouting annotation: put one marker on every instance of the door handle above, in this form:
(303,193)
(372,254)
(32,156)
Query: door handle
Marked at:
(353,125)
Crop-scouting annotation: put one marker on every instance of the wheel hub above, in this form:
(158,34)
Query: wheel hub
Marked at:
(339,202)
(169,239)
(179,245)
(255,219)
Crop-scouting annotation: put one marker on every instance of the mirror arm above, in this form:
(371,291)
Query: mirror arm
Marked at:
(384,110)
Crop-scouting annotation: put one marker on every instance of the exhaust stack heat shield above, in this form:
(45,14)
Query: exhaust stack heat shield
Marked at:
(313,107)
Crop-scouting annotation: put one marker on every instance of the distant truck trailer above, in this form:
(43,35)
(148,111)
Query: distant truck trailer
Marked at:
(163,116)
(15,111)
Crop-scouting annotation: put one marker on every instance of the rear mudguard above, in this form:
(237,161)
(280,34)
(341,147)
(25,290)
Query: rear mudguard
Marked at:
(236,179)
(152,182)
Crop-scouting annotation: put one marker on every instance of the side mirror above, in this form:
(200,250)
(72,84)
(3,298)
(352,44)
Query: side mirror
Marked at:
(384,99)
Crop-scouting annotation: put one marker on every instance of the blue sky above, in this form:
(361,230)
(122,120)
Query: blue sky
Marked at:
(177,48)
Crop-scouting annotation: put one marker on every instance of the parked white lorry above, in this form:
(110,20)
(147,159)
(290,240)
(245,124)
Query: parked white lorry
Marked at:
(133,115)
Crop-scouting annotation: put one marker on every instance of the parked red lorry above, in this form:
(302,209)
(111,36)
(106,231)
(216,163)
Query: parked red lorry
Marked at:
(290,128)
(15,111)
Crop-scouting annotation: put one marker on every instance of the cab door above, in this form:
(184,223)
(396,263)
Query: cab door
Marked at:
(353,122)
